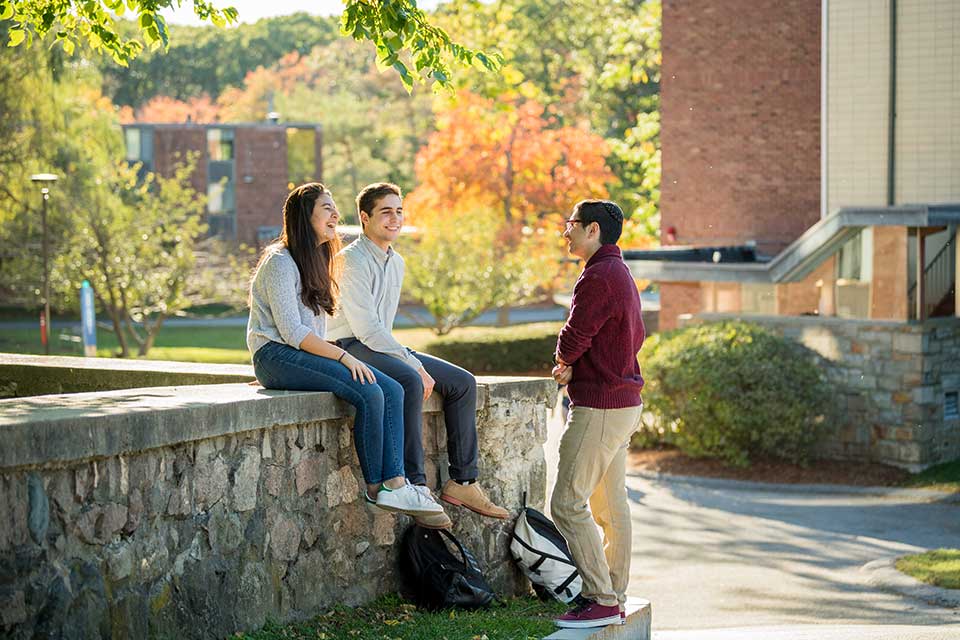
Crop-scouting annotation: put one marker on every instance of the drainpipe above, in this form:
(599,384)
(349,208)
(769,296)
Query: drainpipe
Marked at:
(892,106)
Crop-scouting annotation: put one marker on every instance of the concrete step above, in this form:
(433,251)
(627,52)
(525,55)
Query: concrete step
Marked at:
(637,626)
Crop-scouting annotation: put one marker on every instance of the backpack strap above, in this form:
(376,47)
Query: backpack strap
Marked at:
(540,561)
(566,583)
(543,554)
(467,561)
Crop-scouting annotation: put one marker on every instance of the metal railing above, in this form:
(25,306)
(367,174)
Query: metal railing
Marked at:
(938,280)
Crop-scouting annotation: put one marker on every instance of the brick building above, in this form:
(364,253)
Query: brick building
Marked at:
(245,170)
(811,182)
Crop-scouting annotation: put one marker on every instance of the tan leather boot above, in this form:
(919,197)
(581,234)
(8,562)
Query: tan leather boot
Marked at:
(472,497)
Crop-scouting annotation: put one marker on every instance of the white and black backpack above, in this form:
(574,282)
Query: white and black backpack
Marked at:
(542,553)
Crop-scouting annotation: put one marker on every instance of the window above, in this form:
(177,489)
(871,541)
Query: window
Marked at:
(301,156)
(139,144)
(220,144)
(220,196)
(132,137)
(950,409)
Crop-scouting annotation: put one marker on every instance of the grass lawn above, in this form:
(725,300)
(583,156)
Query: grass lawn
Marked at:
(212,344)
(940,568)
(942,476)
(391,618)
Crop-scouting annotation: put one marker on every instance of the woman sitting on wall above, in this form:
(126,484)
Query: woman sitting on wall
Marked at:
(293,291)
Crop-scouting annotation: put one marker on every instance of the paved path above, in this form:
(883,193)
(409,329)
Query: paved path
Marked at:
(709,556)
(721,560)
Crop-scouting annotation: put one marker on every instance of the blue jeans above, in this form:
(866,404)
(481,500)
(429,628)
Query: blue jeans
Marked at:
(378,425)
(459,390)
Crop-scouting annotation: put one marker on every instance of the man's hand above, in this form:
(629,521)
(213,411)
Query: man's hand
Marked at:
(562,373)
(428,383)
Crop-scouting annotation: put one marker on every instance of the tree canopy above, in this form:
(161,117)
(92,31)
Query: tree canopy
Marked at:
(404,38)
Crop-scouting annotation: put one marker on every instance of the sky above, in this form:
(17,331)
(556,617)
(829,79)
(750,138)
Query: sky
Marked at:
(253,10)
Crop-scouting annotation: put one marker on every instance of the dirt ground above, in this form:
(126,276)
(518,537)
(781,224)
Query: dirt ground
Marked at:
(674,462)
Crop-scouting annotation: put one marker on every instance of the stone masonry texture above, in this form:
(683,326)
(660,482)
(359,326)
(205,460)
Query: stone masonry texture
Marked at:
(214,534)
(892,377)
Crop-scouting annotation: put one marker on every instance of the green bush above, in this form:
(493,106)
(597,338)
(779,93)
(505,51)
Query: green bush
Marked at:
(733,391)
(522,349)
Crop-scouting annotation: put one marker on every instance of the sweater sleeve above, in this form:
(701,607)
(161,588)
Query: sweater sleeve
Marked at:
(591,306)
(280,279)
(359,309)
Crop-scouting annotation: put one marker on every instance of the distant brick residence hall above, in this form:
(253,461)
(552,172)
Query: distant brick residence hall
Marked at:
(246,170)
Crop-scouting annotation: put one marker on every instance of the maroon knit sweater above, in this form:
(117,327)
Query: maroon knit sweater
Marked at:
(603,334)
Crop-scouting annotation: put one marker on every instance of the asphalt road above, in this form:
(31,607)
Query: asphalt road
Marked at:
(721,560)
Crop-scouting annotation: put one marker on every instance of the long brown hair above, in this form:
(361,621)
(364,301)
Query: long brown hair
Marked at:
(318,265)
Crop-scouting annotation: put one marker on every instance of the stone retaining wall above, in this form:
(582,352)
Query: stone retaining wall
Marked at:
(198,511)
(894,378)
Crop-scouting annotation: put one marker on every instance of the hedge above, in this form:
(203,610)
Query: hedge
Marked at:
(734,391)
(520,349)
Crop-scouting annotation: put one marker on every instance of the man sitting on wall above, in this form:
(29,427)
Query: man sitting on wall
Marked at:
(369,296)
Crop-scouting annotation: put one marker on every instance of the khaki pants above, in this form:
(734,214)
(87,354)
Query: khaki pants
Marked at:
(593,455)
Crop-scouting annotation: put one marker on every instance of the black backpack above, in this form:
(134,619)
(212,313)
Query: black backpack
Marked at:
(435,578)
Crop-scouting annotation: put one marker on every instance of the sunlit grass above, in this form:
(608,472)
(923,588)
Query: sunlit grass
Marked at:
(942,476)
(391,618)
(940,568)
(210,344)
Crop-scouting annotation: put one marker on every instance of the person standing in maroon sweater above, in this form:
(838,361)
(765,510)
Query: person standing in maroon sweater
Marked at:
(597,358)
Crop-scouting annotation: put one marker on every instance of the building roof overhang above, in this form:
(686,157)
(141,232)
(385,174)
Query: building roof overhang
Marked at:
(807,252)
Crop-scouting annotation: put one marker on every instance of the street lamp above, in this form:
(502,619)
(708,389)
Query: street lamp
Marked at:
(45,179)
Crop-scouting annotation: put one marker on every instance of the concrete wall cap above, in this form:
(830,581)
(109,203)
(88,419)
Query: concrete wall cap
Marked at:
(57,429)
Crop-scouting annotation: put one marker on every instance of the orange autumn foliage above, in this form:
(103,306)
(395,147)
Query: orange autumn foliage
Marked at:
(509,157)
(166,109)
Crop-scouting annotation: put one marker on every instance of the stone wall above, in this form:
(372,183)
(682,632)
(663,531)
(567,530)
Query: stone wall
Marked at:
(198,511)
(893,379)
(25,375)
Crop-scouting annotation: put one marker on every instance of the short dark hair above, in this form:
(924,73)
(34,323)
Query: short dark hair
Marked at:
(370,194)
(608,215)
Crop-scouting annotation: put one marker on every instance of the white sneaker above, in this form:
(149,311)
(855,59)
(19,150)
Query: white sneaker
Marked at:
(407,499)
(371,504)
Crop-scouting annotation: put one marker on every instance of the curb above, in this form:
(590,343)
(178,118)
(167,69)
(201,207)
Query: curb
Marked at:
(919,495)
(884,575)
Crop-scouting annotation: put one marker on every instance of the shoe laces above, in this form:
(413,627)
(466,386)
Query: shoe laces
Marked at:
(583,606)
(423,494)
(424,490)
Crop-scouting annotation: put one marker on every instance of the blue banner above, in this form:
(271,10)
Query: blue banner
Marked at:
(88,318)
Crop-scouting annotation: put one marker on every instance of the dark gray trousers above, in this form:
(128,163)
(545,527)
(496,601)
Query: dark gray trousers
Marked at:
(459,390)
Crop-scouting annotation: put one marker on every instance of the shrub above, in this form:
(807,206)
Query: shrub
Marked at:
(523,349)
(733,391)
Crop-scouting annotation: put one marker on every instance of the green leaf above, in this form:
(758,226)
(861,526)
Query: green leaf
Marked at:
(145,21)
(6,12)
(68,46)
(16,37)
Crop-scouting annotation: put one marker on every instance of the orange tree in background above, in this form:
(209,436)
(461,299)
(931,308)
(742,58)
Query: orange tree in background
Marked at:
(200,109)
(495,182)
(509,157)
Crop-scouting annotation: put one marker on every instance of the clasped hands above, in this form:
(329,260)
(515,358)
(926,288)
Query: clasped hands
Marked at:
(562,372)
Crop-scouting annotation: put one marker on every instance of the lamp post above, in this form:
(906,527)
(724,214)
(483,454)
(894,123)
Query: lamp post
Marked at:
(45,179)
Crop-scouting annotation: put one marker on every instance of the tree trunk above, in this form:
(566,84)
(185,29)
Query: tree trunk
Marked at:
(152,332)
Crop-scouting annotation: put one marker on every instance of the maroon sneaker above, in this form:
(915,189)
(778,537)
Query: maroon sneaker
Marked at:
(589,614)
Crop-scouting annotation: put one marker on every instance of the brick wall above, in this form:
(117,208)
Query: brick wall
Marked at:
(889,300)
(173,145)
(677,298)
(261,171)
(803,298)
(741,120)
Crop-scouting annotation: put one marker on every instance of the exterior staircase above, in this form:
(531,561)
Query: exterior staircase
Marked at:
(939,284)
